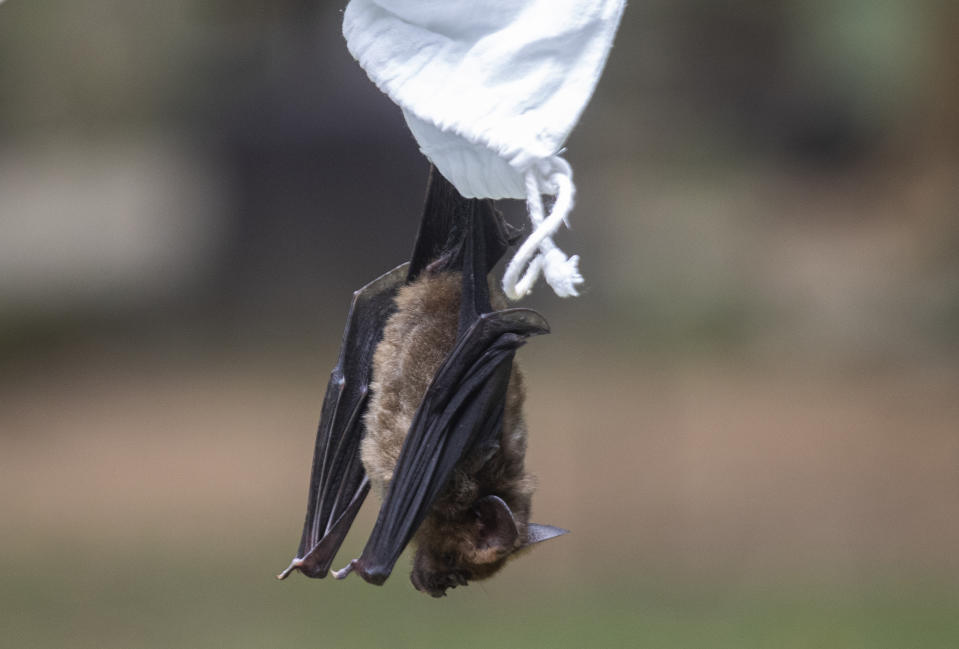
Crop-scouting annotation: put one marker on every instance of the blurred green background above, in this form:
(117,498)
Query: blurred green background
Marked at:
(750,420)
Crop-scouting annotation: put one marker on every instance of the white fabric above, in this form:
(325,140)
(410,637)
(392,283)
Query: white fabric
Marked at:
(491,90)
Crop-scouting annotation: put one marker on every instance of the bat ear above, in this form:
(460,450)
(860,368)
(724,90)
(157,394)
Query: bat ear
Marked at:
(497,527)
(536,533)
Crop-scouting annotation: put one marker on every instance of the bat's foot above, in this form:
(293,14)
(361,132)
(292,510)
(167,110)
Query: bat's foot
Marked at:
(343,572)
(296,563)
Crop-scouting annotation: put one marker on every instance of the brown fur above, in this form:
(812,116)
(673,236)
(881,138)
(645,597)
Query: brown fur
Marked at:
(416,340)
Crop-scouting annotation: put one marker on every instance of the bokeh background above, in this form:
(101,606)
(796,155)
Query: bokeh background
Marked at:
(750,420)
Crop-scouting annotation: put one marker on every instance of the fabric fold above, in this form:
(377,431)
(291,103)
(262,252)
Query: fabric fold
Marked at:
(490,89)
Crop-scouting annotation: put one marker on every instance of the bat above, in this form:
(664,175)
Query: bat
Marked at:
(424,406)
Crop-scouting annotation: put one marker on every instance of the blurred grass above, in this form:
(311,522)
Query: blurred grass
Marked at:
(145,597)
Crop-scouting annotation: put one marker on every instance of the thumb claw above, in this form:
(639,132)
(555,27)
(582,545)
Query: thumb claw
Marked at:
(344,571)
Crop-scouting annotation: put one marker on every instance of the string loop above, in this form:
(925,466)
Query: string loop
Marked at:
(552,176)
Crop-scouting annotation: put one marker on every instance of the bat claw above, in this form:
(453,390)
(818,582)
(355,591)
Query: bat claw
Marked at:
(296,563)
(344,571)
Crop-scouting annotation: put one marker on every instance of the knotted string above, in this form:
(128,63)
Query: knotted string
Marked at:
(552,176)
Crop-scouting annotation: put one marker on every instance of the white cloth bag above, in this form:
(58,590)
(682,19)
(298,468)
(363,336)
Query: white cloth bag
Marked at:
(491,90)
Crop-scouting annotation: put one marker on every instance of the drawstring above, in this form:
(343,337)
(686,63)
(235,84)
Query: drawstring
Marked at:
(552,176)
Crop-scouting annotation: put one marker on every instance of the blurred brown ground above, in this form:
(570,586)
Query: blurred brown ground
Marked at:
(719,470)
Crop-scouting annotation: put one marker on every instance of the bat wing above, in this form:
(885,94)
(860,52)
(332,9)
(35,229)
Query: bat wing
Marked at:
(441,239)
(461,411)
(338,482)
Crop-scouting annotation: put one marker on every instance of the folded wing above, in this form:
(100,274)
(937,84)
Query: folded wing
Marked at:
(338,482)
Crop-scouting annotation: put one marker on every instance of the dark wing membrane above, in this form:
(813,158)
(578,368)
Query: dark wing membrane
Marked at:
(442,237)
(443,208)
(338,482)
(462,410)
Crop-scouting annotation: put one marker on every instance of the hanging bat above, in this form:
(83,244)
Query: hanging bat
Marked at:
(425,406)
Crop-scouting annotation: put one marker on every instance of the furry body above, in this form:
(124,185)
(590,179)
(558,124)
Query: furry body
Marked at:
(424,406)
(450,544)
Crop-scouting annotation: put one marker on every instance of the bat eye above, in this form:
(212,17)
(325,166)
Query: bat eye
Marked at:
(449,559)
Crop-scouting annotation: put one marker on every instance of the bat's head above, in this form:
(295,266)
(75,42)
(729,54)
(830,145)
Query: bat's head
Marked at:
(475,547)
